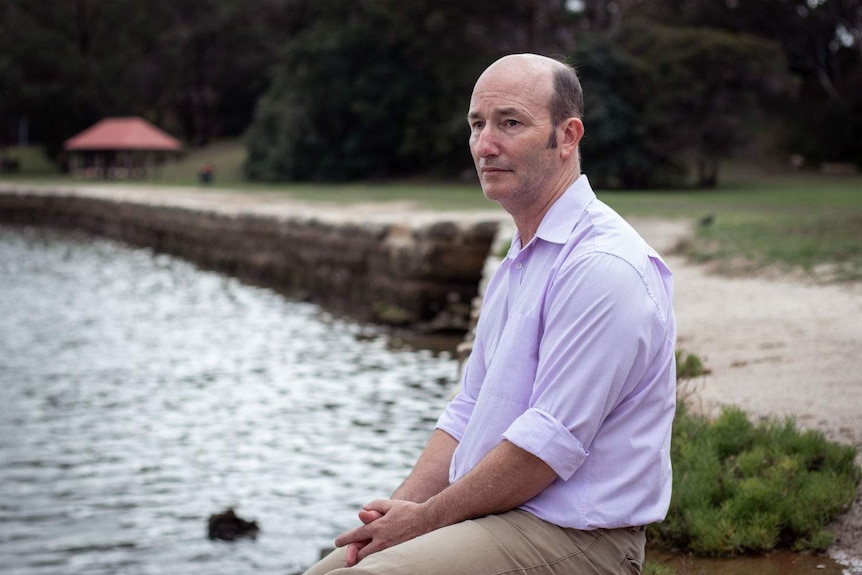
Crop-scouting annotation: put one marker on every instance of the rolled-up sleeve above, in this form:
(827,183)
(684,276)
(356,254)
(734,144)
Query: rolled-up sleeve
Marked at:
(539,433)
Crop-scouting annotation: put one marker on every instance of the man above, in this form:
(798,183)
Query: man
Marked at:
(554,455)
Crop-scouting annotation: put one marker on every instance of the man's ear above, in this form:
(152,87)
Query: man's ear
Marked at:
(573,131)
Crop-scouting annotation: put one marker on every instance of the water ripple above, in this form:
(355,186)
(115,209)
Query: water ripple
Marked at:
(139,394)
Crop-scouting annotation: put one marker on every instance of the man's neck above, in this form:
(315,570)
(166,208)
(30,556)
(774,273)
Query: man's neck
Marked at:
(528,218)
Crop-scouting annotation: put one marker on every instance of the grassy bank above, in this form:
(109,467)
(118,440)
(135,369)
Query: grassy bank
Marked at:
(803,223)
(792,222)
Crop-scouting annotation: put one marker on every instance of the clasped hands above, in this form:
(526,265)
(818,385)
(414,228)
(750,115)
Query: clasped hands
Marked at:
(386,522)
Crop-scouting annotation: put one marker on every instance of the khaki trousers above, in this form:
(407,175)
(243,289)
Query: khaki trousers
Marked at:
(512,543)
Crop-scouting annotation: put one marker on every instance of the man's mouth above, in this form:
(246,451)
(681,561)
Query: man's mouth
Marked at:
(493,169)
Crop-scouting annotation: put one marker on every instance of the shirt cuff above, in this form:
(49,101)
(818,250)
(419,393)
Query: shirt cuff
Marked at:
(537,432)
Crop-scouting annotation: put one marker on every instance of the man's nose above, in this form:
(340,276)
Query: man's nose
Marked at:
(486,143)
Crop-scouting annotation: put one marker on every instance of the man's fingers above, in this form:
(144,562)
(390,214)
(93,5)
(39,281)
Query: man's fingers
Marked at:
(381,506)
(358,541)
(353,536)
(368,549)
(353,553)
(367,516)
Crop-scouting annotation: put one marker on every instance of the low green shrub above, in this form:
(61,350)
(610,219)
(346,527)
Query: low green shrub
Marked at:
(742,487)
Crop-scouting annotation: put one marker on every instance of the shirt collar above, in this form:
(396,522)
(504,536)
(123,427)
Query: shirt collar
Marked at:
(563,215)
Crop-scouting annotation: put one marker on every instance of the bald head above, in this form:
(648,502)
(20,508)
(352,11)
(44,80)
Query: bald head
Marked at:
(543,80)
(526,64)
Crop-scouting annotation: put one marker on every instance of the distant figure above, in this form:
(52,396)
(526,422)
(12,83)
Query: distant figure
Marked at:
(206,174)
(706,220)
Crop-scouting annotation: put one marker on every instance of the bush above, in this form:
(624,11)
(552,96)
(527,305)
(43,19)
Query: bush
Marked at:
(741,487)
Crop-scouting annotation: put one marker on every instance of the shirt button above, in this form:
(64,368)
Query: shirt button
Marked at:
(518,265)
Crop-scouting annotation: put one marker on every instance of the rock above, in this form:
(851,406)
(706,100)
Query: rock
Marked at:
(227,526)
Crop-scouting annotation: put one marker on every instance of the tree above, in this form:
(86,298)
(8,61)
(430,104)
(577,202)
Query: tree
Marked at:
(345,90)
(49,55)
(615,148)
(704,90)
(195,67)
(379,88)
(822,44)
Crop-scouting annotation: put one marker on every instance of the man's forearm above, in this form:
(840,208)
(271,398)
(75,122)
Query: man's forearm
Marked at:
(430,475)
(505,479)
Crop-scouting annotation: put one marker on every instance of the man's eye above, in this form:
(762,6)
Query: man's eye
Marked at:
(477,124)
(511,123)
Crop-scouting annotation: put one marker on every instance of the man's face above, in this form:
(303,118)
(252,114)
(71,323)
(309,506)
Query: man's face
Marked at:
(510,127)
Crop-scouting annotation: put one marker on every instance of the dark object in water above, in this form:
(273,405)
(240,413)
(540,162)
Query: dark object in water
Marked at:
(227,526)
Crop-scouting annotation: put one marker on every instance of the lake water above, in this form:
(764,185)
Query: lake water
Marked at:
(139,394)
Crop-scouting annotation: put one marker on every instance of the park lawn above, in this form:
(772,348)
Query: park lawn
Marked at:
(805,223)
(791,222)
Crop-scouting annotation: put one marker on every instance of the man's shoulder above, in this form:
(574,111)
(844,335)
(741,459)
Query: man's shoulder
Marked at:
(602,232)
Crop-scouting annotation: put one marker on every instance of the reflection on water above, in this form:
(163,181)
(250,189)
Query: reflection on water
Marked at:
(777,563)
(139,394)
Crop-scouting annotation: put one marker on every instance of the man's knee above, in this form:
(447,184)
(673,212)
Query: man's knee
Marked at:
(330,563)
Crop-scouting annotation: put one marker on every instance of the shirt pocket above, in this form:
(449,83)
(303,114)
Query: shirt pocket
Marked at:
(511,369)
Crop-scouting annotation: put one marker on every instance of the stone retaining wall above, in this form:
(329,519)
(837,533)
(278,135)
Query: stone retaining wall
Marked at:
(423,274)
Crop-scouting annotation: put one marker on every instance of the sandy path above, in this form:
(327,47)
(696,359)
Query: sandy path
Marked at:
(776,346)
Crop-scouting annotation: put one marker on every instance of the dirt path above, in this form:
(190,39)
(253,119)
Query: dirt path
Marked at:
(776,347)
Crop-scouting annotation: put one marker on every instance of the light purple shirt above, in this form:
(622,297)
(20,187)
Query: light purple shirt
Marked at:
(574,362)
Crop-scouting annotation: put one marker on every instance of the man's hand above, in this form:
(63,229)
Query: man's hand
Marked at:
(429,477)
(504,479)
(353,548)
(387,522)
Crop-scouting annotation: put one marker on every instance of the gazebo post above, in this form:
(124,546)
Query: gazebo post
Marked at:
(148,164)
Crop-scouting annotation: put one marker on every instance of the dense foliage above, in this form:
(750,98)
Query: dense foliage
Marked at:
(741,487)
(347,89)
(380,89)
(662,102)
(822,43)
(367,90)
(194,67)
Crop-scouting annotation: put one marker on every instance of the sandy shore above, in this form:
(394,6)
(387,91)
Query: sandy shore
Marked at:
(777,346)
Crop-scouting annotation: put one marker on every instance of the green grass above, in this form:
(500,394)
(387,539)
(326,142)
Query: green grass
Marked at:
(805,224)
(32,163)
(228,157)
(800,223)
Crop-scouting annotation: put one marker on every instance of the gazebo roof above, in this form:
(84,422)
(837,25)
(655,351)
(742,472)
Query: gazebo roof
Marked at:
(130,133)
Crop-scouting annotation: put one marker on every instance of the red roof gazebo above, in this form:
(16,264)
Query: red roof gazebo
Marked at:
(120,148)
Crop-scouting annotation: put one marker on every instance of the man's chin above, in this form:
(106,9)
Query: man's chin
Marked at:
(494,192)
